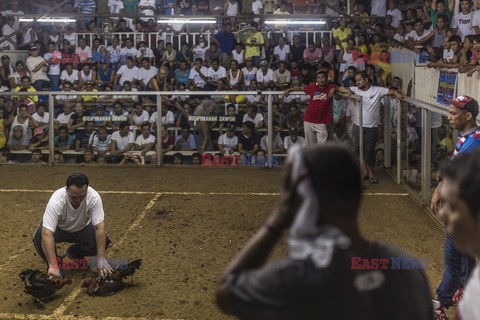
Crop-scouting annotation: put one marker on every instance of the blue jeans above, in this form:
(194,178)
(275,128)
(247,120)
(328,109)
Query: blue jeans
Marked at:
(55,80)
(457,269)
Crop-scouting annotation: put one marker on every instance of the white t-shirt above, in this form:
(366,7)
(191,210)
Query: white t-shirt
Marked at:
(258,118)
(32,63)
(396,16)
(476,18)
(370,105)
(141,140)
(256,6)
(413,34)
(287,142)
(249,75)
(468,307)
(261,78)
(64,119)
(464,24)
(399,37)
(147,12)
(71,37)
(44,119)
(148,53)
(60,213)
(122,142)
(132,97)
(195,76)
(54,69)
(127,74)
(199,52)
(216,75)
(379,8)
(144,117)
(282,52)
(169,118)
(145,75)
(132,52)
(115,7)
(69,77)
(84,53)
(226,142)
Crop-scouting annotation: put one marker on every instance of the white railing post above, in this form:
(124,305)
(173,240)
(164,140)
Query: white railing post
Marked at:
(270,130)
(159,148)
(51,130)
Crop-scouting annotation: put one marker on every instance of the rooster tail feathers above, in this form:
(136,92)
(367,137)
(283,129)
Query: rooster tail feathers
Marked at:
(131,267)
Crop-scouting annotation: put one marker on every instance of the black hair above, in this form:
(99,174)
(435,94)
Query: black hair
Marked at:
(186,127)
(455,38)
(123,124)
(476,38)
(145,124)
(77,179)
(442,16)
(36,150)
(464,170)
(196,155)
(337,180)
(178,155)
(250,125)
(352,68)
(6,153)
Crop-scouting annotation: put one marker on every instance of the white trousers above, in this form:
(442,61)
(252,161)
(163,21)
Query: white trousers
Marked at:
(315,133)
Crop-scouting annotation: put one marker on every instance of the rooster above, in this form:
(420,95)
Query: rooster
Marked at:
(96,285)
(39,286)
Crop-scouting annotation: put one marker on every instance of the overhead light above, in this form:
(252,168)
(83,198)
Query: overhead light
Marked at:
(61,20)
(188,21)
(294,22)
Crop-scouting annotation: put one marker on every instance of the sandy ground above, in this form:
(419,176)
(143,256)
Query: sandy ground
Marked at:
(185,239)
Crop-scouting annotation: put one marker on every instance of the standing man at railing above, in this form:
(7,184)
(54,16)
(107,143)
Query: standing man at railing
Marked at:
(463,113)
(371,101)
(319,112)
(253,45)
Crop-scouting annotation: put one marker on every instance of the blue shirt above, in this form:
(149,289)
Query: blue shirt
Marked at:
(189,144)
(468,141)
(182,77)
(226,41)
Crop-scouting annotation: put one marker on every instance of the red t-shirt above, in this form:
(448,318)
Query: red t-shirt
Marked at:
(319,109)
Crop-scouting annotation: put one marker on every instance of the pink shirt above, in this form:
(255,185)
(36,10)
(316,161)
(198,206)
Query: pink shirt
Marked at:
(312,56)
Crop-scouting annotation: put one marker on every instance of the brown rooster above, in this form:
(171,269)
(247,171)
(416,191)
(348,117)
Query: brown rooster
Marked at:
(96,285)
(39,286)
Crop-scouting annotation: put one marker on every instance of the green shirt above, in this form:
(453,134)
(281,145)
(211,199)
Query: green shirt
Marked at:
(434,15)
(129,6)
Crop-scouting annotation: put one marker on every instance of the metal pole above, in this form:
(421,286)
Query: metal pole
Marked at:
(159,148)
(51,131)
(270,131)
(399,143)
(360,131)
(426,155)
(387,133)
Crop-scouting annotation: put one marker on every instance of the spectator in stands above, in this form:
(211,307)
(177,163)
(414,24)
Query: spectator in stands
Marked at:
(105,75)
(146,73)
(18,139)
(294,118)
(53,59)
(58,158)
(281,76)
(168,141)
(213,53)
(169,54)
(36,157)
(63,141)
(228,142)
(264,76)
(277,146)
(319,111)
(201,132)
(253,45)
(340,35)
(122,140)
(281,52)
(168,118)
(196,159)
(5,156)
(371,117)
(253,116)
(118,114)
(238,54)
(313,56)
(128,72)
(248,141)
(198,75)
(462,22)
(145,141)
(6,70)
(419,36)
(178,158)
(25,87)
(182,74)
(102,141)
(328,50)
(474,64)
(37,66)
(83,51)
(122,23)
(7,29)
(438,36)
(297,49)
(39,140)
(77,119)
(129,50)
(88,157)
(455,60)
(64,118)
(439,8)
(249,72)
(23,118)
(293,138)
(215,73)
(15,79)
(84,138)
(139,116)
(69,75)
(185,141)
(341,137)
(278,118)
(86,75)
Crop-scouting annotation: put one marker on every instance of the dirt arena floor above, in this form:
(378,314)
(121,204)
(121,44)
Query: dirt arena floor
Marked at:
(186,224)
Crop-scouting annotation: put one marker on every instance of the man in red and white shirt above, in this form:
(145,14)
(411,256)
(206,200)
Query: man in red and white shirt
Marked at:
(319,112)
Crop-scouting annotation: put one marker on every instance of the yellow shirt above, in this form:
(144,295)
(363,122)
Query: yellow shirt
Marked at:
(254,51)
(363,17)
(363,48)
(386,68)
(280,26)
(33,99)
(88,98)
(342,35)
(3,140)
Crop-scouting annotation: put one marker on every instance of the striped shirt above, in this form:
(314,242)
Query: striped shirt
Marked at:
(437,40)
(87,6)
(102,145)
(468,141)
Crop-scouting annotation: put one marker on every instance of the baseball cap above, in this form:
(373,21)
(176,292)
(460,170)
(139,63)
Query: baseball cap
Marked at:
(231,126)
(465,102)
(32,48)
(264,63)
(5,57)
(38,131)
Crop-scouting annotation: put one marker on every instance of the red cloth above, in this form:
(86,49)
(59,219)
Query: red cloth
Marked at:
(319,109)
